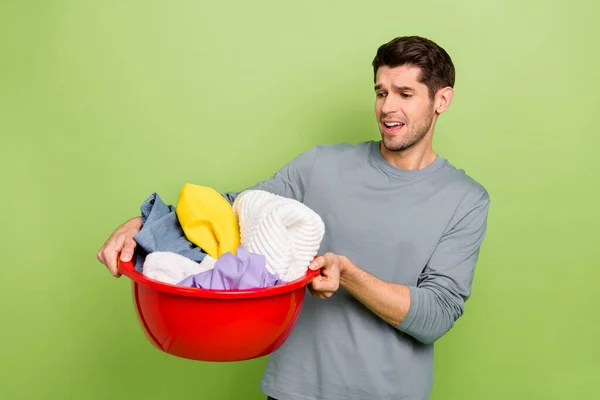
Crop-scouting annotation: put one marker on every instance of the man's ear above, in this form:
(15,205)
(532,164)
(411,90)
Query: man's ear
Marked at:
(442,100)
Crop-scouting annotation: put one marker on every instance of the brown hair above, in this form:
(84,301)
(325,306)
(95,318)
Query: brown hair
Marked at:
(437,70)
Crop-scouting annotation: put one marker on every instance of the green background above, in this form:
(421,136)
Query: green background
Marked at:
(104,102)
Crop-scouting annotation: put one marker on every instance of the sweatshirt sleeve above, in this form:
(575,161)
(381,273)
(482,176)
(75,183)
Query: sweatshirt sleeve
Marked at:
(289,181)
(444,286)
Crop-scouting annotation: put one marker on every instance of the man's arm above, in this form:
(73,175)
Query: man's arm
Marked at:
(429,309)
(389,301)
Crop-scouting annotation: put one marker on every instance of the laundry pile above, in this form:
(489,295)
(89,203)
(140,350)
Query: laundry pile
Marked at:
(260,240)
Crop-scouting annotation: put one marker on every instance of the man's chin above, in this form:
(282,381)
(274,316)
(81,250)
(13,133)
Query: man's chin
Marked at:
(392,145)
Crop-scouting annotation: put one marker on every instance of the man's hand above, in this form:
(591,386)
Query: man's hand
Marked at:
(326,284)
(120,242)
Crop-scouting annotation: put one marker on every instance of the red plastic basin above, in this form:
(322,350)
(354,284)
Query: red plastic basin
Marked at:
(216,325)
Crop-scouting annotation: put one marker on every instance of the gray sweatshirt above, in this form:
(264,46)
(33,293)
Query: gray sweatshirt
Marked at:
(420,228)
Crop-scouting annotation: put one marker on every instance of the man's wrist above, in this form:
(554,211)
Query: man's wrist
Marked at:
(346,267)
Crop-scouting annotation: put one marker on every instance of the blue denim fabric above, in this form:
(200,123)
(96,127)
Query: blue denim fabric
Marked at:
(161,231)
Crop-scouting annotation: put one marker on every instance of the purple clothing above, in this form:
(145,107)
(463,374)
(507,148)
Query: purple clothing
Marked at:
(244,270)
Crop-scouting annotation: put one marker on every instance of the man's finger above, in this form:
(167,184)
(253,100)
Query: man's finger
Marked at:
(128,249)
(319,295)
(112,252)
(100,256)
(317,263)
(114,269)
(324,284)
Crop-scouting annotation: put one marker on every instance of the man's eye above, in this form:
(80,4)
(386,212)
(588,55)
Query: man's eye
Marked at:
(380,94)
(406,95)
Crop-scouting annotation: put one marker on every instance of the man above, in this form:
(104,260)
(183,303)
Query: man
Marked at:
(403,233)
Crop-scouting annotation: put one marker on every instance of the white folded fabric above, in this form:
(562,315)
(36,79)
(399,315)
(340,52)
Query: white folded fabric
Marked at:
(169,267)
(287,232)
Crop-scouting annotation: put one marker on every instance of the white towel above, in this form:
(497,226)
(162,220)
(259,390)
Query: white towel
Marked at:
(285,231)
(169,267)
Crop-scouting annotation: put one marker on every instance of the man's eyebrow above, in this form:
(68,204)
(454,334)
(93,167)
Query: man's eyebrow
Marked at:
(404,88)
(397,88)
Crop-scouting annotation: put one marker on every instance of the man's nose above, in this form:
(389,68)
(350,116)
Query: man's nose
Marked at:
(390,106)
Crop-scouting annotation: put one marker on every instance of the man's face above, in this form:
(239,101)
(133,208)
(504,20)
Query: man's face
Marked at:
(403,108)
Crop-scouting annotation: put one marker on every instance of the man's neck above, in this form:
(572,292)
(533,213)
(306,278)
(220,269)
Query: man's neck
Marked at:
(414,158)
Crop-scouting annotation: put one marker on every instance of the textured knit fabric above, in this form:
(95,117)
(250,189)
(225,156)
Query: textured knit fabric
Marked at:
(285,231)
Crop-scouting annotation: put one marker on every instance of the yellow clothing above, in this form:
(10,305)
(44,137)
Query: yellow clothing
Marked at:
(207,220)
